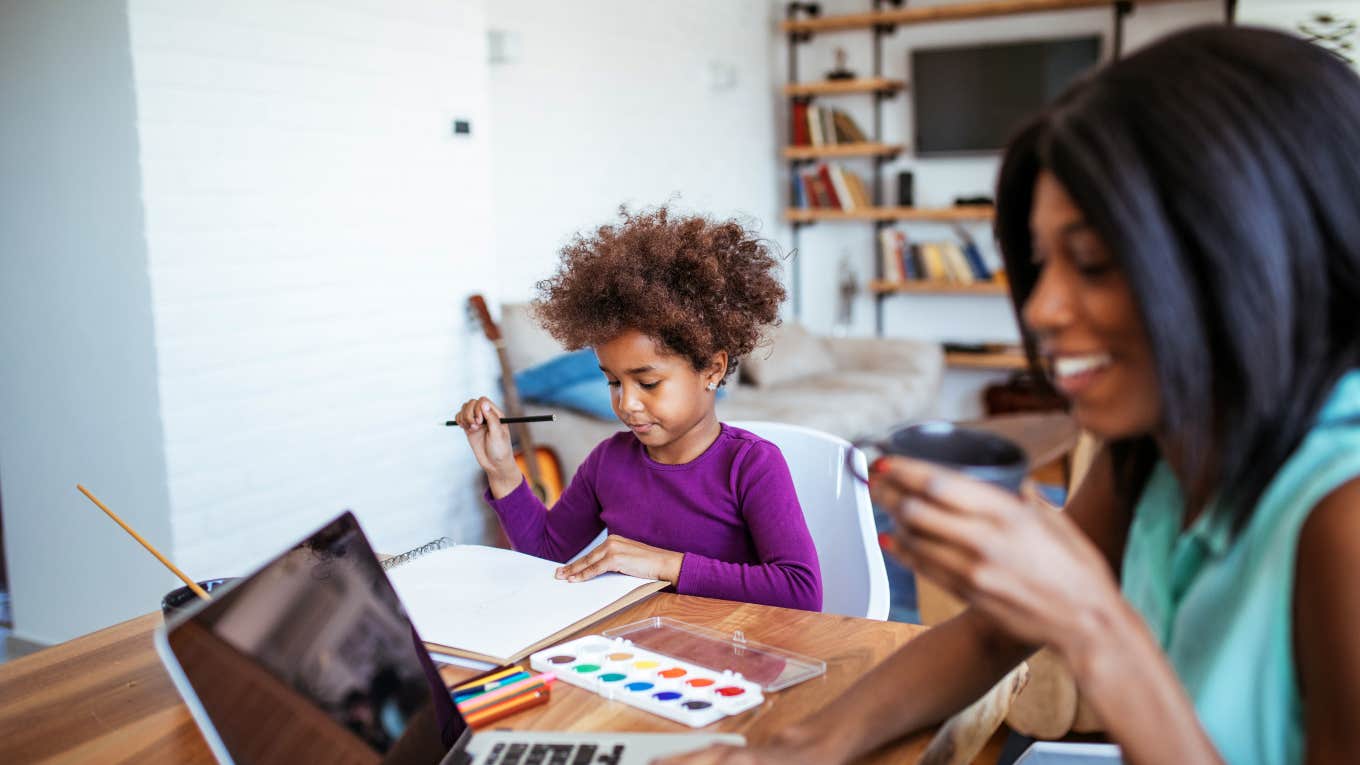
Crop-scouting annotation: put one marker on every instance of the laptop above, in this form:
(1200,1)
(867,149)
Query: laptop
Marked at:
(313,659)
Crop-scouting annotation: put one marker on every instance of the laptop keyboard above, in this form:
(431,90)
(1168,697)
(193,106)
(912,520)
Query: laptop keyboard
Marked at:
(553,754)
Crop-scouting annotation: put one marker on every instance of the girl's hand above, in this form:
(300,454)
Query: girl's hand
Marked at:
(1028,568)
(480,419)
(625,556)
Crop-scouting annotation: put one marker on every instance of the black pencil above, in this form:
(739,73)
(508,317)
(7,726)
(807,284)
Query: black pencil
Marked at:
(513,420)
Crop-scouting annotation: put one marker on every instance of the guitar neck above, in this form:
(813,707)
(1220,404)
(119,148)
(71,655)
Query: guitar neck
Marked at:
(477,304)
(513,409)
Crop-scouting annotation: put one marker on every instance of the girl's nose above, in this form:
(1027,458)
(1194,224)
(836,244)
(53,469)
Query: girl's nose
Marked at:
(629,401)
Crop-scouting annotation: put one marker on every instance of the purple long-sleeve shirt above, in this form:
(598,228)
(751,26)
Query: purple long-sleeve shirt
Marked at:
(732,511)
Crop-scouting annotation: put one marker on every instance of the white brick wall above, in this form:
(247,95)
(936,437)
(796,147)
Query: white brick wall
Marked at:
(313,229)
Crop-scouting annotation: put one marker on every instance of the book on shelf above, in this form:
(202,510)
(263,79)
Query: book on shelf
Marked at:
(846,130)
(823,126)
(942,262)
(973,254)
(831,187)
(799,135)
(815,126)
(825,177)
(498,605)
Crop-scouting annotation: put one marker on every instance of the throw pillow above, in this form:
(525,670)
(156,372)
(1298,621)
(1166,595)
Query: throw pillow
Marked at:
(572,380)
(795,354)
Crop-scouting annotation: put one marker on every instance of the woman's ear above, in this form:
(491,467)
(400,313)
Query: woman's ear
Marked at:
(716,370)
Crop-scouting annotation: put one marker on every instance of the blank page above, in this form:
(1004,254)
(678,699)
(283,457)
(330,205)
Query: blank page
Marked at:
(495,602)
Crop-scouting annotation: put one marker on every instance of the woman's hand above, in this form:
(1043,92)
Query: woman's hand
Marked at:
(625,556)
(1028,568)
(480,419)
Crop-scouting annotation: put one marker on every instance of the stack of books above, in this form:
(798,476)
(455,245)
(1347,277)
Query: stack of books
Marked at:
(942,262)
(832,187)
(823,126)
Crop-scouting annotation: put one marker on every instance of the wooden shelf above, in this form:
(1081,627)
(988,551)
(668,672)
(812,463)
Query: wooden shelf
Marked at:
(843,150)
(882,287)
(950,12)
(1002,360)
(834,87)
(943,214)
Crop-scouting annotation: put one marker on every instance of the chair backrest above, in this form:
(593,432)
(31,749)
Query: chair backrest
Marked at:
(839,517)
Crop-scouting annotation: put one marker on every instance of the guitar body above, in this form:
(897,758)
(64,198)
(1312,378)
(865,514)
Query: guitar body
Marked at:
(548,487)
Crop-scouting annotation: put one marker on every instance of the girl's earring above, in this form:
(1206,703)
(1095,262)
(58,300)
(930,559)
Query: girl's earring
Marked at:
(712,386)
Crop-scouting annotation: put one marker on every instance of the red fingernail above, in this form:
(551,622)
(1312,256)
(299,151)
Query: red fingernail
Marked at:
(880,465)
(885,541)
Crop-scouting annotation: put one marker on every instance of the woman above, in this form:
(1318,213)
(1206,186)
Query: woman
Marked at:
(1182,236)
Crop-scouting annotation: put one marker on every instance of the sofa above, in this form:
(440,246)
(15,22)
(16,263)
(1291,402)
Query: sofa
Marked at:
(849,387)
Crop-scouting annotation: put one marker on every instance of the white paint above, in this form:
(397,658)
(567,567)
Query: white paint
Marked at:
(313,229)
(262,327)
(78,393)
(613,102)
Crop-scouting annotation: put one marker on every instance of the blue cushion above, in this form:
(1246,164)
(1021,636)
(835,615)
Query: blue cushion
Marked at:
(572,380)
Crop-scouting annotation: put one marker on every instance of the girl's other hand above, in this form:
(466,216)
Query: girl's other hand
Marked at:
(1027,567)
(625,556)
(480,419)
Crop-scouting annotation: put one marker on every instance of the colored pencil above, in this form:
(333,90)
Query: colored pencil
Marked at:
(483,679)
(500,694)
(199,591)
(515,420)
(477,690)
(507,708)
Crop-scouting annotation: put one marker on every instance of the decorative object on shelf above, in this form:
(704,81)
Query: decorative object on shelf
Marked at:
(840,72)
(905,193)
(977,200)
(847,289)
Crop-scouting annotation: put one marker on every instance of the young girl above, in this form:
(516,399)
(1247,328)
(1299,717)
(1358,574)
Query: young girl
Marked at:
(669,304)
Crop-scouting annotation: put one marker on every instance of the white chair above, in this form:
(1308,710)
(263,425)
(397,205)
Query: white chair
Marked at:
(839,517)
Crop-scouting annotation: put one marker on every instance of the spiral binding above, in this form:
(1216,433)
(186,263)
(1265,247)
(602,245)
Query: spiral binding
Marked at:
(410,555)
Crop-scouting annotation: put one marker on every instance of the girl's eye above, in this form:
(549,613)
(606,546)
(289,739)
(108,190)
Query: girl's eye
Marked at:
(650,385)
(613,383)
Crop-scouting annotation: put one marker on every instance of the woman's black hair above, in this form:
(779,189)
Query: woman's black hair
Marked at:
(1221,166)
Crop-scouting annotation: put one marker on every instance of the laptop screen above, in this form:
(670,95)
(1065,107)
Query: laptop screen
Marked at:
(312,658)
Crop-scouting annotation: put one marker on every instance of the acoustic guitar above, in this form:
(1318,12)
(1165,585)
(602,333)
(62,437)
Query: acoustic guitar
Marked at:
(539,464)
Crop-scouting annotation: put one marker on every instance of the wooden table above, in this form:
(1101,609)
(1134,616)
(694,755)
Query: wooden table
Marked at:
(105,697)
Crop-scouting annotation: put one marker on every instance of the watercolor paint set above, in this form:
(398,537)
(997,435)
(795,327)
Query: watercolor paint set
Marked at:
(684,673)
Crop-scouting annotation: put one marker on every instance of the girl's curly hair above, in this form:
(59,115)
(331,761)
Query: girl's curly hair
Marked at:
(693,285)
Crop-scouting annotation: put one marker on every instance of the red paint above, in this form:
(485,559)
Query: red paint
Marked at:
(730,690)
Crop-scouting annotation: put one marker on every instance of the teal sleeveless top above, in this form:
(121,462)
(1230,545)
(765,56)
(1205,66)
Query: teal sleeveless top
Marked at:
(1221,607)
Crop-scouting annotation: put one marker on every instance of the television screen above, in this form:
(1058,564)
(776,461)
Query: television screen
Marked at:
(969,99)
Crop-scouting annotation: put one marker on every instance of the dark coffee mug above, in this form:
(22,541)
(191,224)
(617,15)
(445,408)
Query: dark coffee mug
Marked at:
(975,453)
(181,597)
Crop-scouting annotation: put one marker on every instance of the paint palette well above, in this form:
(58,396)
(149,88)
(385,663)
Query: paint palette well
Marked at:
(677,690)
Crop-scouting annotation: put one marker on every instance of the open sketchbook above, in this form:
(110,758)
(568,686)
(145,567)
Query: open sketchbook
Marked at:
(499,605)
